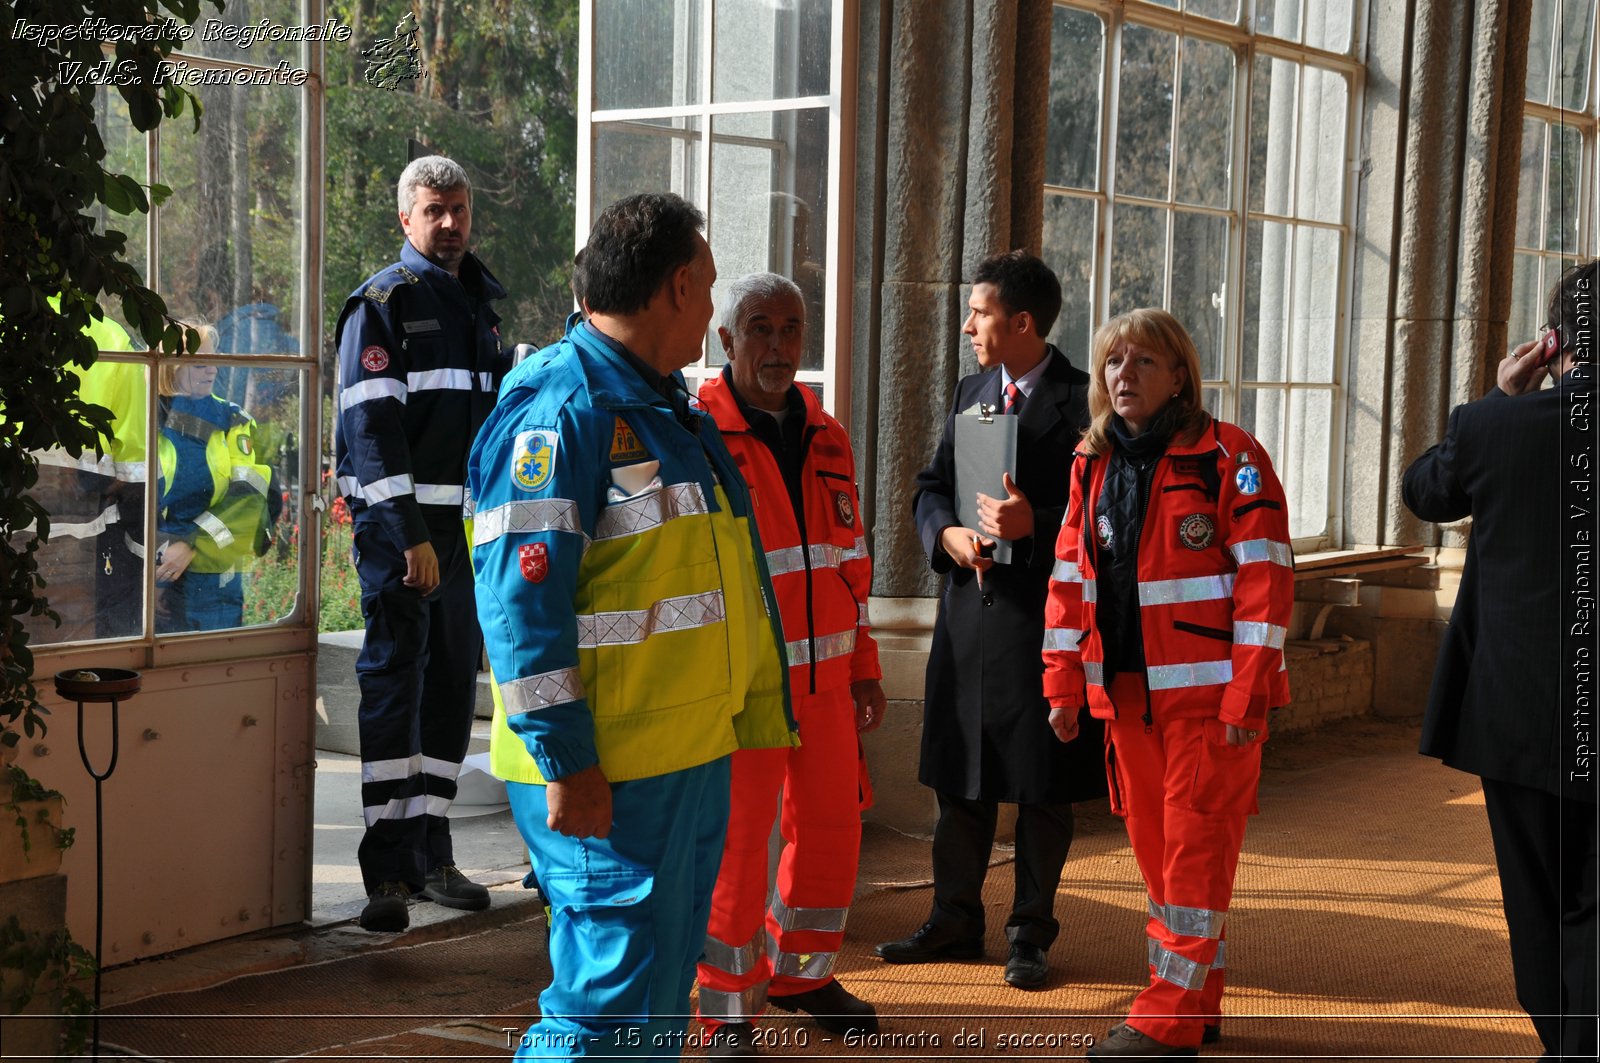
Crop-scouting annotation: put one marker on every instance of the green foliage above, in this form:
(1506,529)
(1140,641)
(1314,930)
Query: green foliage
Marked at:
(46,964)
(498,96)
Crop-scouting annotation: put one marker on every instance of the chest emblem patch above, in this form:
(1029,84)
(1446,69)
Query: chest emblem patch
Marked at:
(374,359)
(625,446)
(1102,531)
(844,508)
(534,558)
(1247,478)
(244,445)
(1197,531)
(533,462)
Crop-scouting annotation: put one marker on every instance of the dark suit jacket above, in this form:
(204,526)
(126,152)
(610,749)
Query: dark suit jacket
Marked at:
(985,729)
(1502,699)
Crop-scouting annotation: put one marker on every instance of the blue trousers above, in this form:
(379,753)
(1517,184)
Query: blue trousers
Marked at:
(628,914)
(418,673)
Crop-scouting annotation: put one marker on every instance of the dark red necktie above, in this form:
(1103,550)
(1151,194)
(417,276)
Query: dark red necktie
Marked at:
(1013,398)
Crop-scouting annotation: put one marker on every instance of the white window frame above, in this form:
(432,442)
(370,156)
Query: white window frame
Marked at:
(1587,123)
(834,376)
(1246,45)
(297,630)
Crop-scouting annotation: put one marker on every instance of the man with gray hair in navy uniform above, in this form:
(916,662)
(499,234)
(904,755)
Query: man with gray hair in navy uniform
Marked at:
(420,361)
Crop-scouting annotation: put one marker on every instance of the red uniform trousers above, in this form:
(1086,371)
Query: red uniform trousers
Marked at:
(793,944)
(1185,795)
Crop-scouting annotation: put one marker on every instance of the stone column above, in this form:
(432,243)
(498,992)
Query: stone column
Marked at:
(1438,272)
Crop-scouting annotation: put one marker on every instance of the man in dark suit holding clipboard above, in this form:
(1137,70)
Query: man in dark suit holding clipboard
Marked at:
(985,732)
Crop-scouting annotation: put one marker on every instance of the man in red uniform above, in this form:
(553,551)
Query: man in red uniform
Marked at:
(797,461)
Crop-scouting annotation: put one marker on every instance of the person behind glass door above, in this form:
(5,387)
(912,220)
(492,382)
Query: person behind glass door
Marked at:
(1169,605)
(214,515)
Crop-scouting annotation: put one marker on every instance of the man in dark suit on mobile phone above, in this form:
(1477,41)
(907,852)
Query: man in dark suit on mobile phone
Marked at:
(1513,693)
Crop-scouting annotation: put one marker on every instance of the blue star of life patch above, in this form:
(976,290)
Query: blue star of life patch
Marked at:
(1248,479)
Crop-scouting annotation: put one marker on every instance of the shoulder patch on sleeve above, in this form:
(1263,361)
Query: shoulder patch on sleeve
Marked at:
(533,458)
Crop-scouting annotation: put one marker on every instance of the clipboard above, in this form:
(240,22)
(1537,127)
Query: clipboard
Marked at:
(986,449)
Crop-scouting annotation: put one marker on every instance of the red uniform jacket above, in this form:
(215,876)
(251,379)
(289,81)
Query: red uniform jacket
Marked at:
(1216,585)
(817,559)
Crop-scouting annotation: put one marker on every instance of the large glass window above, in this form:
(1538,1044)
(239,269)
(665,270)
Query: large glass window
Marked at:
(1556,198)
(734,105)
(1196,161)
(189,521)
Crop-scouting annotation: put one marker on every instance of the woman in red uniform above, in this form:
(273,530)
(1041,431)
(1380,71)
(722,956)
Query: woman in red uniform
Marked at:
(1168,609)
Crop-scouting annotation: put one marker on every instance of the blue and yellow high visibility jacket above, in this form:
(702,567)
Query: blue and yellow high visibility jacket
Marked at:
(621,584)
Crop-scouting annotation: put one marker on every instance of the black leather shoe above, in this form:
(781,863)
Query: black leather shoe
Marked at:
(732,1040)
(1211,1034)
(1027,967)
(835,1008)
(387,910)
(1124,1042)
(931,943)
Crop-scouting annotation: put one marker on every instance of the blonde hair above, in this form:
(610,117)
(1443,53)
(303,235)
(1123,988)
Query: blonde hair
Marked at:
(1155,330)
(167,371)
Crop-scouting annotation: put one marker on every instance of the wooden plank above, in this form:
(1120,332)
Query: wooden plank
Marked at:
(1331,591)
(1404,561)
(1340,558)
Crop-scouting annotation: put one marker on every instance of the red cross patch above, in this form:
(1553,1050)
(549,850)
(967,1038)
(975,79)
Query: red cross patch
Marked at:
(375,359)
(535,561)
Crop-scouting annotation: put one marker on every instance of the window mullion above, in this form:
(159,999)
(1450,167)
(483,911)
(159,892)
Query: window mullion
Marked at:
(1108,153)
(1232,361)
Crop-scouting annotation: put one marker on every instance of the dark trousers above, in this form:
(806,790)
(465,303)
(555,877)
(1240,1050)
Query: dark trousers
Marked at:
(962,840)
(1545,847)
(418,673)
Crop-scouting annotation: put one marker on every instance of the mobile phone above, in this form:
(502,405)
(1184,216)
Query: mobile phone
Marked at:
(1549,347)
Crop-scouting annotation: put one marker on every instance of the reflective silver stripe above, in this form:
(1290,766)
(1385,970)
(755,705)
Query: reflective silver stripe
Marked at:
(390,770)
(440,380)
(817,965)
(1094,673)
(534,692)
(829,920)
(736,961)
(1195,674)
(404,767)
(486,380)
(1253,550)
(378,387)
(134,548)
(1066,572)
(733,1007)
(1090,591)
(823,555)
(1179,970)
(526,516)
(636,625)
(652,509)
(89,462)
(441,769)
(407,808)
(388,487)
(861,615)
(440,494)
(87,529)
(1190,922)
(828,647)
(857,552)
(1258,633)
(1062,638)
(248,474)
(350,487)
(1219,964)
(1193,589)
(213,526)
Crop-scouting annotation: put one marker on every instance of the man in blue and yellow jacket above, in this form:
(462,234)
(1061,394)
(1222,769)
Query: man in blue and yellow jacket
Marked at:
(630,627)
